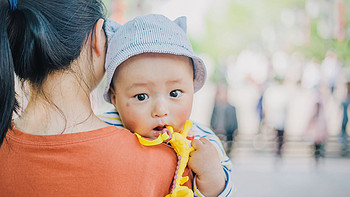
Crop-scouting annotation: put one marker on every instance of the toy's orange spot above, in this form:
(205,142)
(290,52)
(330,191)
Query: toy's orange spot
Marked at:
(190,137)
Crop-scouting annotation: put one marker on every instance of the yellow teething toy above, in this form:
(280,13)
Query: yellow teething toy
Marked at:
(180,144)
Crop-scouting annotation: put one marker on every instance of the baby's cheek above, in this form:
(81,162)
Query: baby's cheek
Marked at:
(184,113)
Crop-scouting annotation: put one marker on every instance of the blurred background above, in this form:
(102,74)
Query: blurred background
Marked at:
(281,69)
(277,92)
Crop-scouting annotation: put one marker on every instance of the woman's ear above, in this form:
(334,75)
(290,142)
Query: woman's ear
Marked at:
(99,38)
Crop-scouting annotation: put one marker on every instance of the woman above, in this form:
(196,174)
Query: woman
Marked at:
(57,146)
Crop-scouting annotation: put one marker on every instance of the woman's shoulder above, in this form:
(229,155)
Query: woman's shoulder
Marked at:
(107,133)
(105,156)
(107,142)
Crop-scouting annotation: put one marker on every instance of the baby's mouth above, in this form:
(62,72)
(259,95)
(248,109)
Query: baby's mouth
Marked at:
(158,130)
(161,129)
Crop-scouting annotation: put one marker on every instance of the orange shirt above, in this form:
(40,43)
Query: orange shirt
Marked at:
(103,162)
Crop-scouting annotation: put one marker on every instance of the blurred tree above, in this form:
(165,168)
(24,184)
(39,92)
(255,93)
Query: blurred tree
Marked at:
(238,25)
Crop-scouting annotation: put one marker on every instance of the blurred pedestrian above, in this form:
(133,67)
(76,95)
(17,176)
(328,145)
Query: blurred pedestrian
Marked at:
(260,111)
(224,118)
(343,134)
(275,110)
(330,70)
(317,128)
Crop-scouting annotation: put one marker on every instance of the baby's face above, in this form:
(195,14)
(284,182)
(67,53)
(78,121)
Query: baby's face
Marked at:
(151,91)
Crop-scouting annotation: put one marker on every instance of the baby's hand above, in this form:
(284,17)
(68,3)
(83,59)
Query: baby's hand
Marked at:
(205,162)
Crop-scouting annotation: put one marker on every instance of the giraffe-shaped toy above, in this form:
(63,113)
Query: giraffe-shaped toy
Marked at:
(180,144)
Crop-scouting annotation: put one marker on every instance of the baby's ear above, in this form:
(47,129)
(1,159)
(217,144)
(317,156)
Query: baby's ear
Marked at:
(112,96)
(181,22)
(111,27)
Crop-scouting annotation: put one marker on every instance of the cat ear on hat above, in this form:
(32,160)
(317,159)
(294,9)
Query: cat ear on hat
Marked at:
(181,22)
(111,26)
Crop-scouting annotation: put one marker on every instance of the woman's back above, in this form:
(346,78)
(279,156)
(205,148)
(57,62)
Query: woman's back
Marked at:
(57,146)
(103,162)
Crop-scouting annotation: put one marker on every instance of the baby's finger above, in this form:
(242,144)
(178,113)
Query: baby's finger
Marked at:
(196,144)
(204,140)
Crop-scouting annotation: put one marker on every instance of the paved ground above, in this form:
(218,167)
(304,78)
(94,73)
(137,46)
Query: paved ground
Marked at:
(262,175)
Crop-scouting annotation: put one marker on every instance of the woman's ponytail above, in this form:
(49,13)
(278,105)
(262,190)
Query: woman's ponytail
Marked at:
(39,37)
(7,79)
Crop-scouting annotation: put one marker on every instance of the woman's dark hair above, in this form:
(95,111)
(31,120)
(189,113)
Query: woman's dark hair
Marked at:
(38,38)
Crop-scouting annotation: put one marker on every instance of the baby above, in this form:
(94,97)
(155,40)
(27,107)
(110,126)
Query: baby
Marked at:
(152,74)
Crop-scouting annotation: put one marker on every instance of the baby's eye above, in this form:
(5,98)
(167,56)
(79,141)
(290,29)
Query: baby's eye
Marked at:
(175,93)
(141,97)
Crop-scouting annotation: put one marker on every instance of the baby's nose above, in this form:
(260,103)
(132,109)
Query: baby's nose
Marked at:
(160,109)
(159,113)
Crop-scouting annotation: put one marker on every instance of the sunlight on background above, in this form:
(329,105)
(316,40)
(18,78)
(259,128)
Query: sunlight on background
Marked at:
(295,54)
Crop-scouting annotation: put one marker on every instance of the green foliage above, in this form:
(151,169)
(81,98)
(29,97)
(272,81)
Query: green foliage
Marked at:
(238,25)
(318,47)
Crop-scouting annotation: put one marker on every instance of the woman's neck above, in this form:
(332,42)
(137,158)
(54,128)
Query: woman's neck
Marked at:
(62,106)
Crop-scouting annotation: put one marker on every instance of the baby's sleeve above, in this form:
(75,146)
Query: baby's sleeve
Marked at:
(111,117)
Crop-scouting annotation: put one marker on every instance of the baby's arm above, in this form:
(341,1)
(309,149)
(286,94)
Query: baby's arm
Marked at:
(210,156)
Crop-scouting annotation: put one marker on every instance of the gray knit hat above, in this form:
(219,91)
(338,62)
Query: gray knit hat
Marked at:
(149,34)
